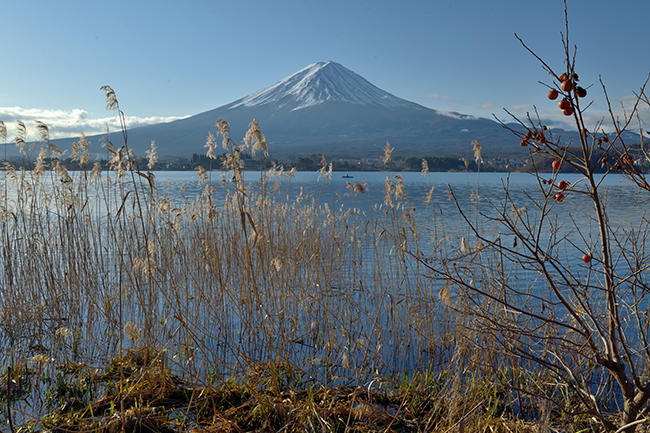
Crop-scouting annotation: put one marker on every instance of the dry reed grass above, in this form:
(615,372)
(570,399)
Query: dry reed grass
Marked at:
(99,263)
(127,309)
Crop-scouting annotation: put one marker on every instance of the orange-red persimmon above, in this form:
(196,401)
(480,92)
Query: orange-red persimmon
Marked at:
(567,86)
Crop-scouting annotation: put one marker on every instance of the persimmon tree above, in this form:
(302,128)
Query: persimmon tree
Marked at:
(566,302)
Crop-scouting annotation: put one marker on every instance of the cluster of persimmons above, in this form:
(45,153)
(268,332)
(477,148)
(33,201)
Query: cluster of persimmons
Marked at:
(568,85)
(569,90)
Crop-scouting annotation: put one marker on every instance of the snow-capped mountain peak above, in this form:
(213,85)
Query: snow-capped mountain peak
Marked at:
(318,83)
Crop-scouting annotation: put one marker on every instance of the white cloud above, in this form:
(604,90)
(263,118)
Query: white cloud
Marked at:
(71,123)
(486,106)
(455,115)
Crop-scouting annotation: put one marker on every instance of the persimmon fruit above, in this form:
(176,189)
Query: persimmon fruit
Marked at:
(567,86)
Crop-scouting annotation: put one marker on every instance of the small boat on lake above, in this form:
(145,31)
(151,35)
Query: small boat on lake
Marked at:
(347,176)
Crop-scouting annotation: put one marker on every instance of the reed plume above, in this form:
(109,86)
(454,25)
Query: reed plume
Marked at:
(477,152)
(325,170)
(387,157)
(21,137)
(43,131)
(425,167)
(429,196)
(255,140)
(152,157)
(223,129)
(79,150)
(210,143)
(111,98)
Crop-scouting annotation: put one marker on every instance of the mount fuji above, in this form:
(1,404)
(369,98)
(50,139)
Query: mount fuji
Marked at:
(319,83)
(326,108)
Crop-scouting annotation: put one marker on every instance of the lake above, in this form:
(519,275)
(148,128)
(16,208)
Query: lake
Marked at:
(337,293)
(624,203)
(621,195)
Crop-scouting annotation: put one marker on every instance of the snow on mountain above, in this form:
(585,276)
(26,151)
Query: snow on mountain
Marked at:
(326,108)
(318,83)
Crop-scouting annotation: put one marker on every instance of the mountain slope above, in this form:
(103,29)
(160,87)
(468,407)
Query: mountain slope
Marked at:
(326,108)
(319,83)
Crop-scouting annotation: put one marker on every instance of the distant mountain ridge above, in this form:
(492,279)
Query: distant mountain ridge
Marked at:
(326,108)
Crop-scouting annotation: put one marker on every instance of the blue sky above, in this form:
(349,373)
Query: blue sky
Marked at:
(172,59)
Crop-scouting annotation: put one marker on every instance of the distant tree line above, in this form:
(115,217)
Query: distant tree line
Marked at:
(600,160)
(439,164)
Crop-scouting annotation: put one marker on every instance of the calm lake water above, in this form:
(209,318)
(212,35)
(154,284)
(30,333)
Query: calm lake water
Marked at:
(476,194)
(416,185)
(624,203)
(374,310)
